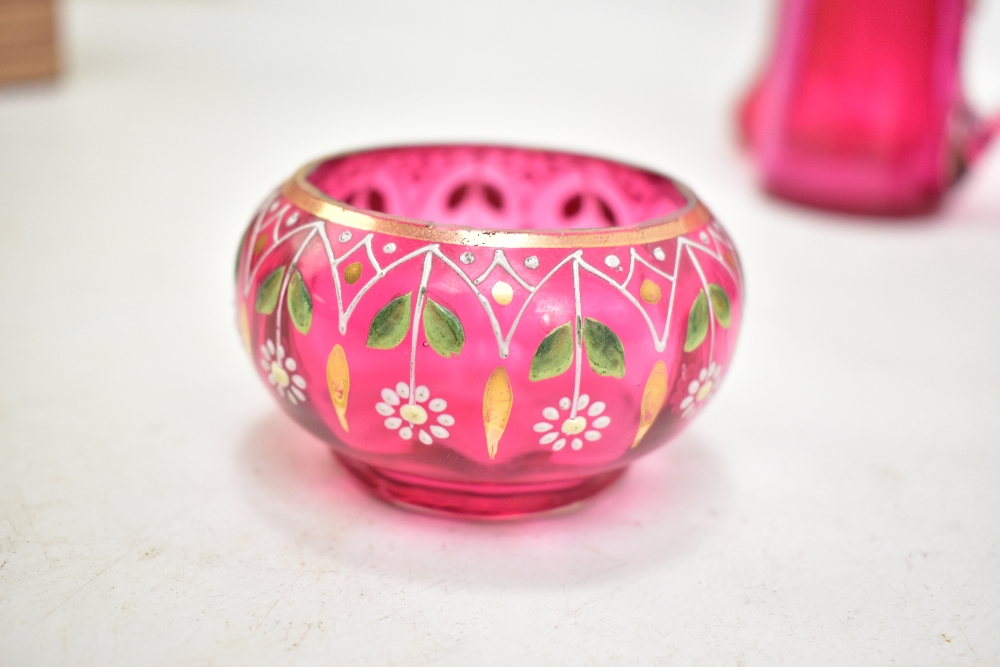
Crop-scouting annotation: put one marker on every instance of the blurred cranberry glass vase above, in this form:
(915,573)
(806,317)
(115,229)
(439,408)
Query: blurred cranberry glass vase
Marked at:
(860,107)
(484,330)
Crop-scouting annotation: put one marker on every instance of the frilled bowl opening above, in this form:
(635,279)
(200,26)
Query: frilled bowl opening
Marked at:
(490,187)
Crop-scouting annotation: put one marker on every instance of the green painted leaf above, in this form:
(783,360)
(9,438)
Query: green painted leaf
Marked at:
(697,323)
(720,305)
(389,326)
(604,349)
(554,355)
(267,293)
(300,305)
(443,330)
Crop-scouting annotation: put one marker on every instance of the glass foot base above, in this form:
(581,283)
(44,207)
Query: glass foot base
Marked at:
(475,500)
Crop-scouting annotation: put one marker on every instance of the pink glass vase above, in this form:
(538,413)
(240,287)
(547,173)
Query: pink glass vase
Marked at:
(860,107)
(483,330)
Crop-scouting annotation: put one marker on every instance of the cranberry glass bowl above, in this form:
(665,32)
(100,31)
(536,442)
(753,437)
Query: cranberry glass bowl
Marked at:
(486,330)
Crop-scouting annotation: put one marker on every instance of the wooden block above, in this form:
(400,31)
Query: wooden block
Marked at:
(28,40)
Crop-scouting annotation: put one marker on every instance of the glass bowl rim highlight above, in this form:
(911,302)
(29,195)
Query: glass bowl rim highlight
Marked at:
(310,198)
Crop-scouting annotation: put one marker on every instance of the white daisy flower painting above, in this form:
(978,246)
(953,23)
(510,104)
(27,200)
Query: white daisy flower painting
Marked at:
(420,415)
(281,373)
(559,429)
(700,388)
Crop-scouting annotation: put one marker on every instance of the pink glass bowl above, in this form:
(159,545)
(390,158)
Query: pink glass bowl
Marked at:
(484,330)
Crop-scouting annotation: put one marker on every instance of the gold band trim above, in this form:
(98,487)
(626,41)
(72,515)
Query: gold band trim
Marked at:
(308,197)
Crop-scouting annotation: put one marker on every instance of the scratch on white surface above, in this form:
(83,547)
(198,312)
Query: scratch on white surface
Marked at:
(454,640)
(135,546)
(967,642)
(574,612)
(275,603)
(9,520)
(605,571)
(86,583)
(26,518)
(886,582)
(309,627)
(435,584)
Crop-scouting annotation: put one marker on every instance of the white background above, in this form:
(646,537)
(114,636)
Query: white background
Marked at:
(838,503)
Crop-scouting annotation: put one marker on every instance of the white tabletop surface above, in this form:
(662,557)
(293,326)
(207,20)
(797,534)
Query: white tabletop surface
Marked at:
(838,503)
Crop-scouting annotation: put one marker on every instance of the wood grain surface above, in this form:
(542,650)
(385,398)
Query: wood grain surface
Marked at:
(28,40)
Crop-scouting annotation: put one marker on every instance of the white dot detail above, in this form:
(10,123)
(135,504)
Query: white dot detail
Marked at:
(531,262)
(344,237)
(389,248)
(467,258)
(659,254)
(612,262)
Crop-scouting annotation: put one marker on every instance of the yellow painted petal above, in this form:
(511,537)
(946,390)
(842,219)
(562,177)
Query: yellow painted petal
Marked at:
(497,402)
(338,378)
(245,328)
(653,397)
(259,244)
